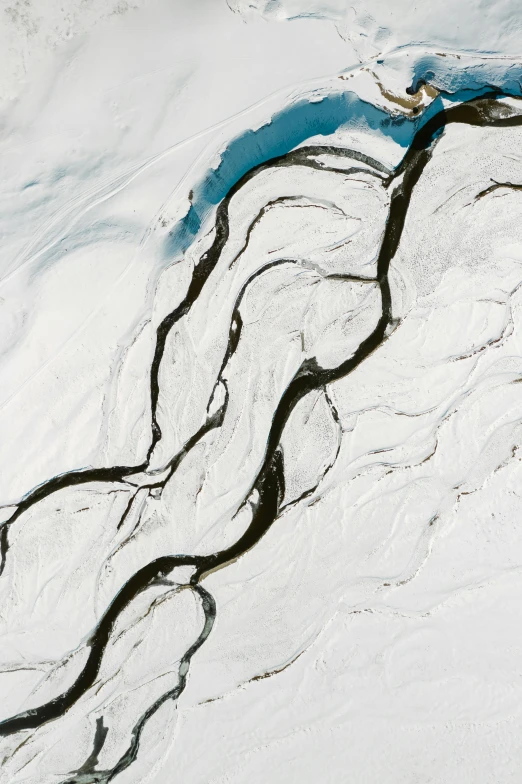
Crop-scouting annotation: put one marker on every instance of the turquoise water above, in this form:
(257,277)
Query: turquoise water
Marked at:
(308,118)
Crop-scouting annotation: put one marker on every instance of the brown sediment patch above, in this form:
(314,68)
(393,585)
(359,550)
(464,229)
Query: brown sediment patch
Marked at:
(409,104)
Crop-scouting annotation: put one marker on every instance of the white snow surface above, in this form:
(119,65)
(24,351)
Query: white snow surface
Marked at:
(372,633)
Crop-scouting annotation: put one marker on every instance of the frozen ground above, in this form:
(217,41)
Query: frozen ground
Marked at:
(260,416)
